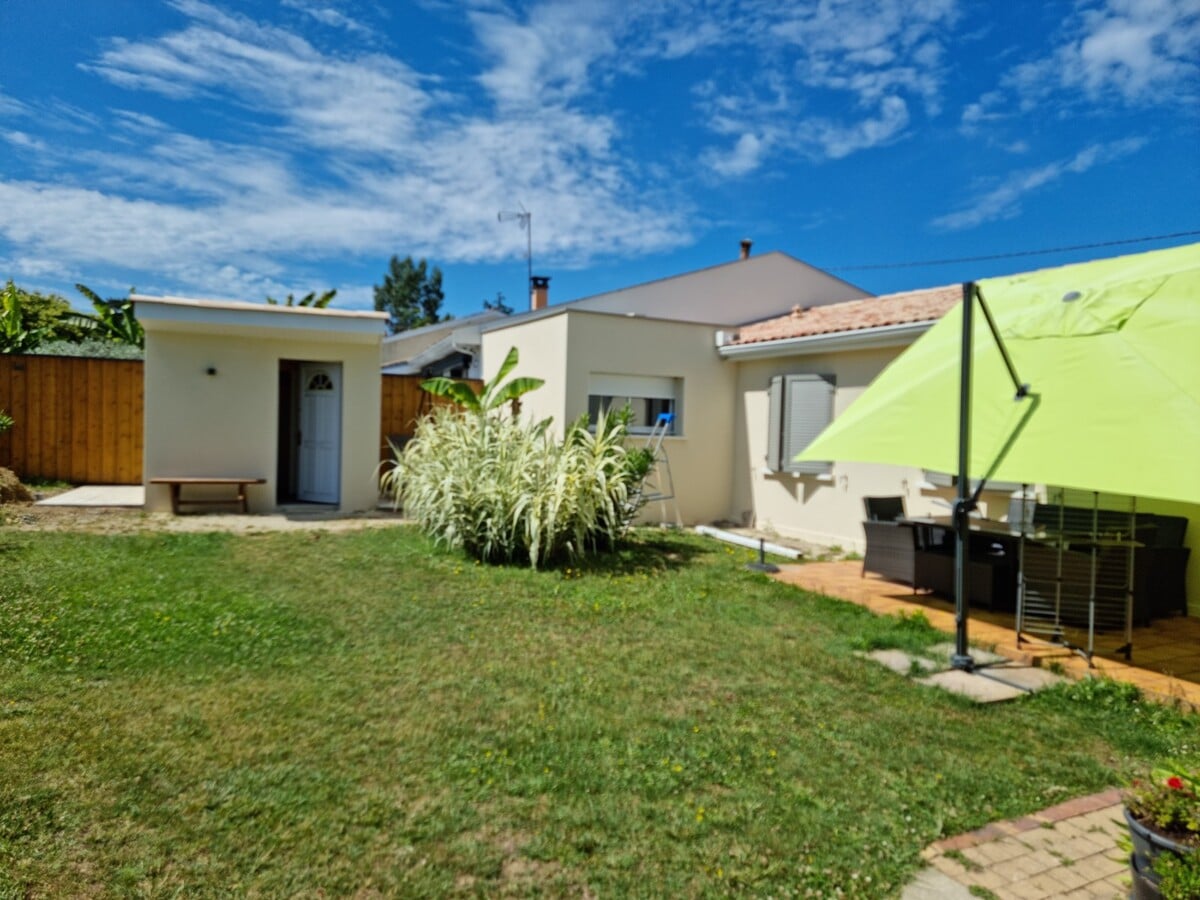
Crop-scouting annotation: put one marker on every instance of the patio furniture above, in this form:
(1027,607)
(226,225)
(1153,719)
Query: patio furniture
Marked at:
(884,509)
(1160,565)
(1160,559)
(991,561)
(891,551)
(176,484)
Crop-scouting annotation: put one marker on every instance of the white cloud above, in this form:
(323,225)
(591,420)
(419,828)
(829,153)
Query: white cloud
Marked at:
(328,14)
(11,106)
(745,157)
(839,140)
(1003,201)
(870,60)
(368,104)
(341,158)
(24,141)
(546,58)
(1111,52)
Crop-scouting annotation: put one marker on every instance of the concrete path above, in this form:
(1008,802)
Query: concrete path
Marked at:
(99,495)
(1068,851)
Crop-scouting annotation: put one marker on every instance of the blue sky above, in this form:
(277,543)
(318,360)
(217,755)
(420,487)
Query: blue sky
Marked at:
(236,149)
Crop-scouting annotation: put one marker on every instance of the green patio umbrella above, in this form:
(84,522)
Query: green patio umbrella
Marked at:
(1089,378)
(1111,353)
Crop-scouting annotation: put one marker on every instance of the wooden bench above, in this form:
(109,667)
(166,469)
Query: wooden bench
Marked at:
(176,485)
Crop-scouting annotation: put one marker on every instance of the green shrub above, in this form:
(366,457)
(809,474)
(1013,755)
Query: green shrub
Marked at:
(504,490)
(6,421)
(1180,876)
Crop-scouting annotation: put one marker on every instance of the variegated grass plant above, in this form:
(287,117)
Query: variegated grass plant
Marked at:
(505,490)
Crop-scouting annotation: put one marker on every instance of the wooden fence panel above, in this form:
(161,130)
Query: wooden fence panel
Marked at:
(81,420)
(402,404)
(75,420)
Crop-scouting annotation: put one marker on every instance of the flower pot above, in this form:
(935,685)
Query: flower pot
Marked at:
(1147,845)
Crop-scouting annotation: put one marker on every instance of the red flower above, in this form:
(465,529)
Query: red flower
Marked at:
(1175,783)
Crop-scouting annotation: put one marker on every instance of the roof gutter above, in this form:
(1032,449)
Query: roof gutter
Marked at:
(861,339)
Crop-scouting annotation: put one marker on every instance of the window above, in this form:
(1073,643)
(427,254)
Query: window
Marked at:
(320,382)
(801,407)
(648,397)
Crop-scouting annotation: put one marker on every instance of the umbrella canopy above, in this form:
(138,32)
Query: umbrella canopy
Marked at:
(1111,352)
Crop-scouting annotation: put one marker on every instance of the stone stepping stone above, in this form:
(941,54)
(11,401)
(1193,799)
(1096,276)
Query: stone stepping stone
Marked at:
(973,685)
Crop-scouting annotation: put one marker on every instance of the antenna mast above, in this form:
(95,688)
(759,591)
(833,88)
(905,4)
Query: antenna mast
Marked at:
(524,219)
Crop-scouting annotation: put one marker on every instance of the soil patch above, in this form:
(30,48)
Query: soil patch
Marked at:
(11,489)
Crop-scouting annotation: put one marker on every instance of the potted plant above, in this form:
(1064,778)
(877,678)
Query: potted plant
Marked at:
(1163,815)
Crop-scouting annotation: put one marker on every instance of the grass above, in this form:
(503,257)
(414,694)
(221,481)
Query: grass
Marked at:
(333,714)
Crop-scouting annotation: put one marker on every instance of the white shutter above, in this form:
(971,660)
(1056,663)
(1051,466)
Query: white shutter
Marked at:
(808,409)
(610,385)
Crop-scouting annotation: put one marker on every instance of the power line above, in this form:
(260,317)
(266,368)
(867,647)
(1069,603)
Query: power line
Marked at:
(969,259)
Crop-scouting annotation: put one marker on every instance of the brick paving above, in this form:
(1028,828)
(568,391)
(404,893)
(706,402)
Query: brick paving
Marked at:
(1068,851)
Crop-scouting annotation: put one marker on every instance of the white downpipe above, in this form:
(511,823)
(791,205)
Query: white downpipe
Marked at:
(731,538)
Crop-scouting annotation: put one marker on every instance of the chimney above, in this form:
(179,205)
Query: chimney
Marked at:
(539,291)
(746,242)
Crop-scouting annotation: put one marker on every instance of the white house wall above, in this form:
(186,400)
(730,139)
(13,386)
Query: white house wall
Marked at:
(701,455)
(226,424)
(542,347)
(568,348)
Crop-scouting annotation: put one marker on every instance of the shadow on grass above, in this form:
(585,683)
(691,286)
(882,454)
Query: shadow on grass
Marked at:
(643,551)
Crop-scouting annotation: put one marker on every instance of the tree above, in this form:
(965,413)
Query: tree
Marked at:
(411,295)
(312,298)
(114,319)
(47,315)
(498,304)
(492,394)
(17,333)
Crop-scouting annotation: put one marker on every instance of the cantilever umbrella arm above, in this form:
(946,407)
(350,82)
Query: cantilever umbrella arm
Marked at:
(967,500)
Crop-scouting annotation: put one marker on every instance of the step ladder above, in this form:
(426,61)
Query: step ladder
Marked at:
(658,484)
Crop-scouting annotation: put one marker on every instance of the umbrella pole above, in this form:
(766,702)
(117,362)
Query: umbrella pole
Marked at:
(962,506)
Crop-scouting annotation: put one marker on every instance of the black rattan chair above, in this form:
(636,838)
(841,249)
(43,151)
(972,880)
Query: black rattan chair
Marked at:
(884,509)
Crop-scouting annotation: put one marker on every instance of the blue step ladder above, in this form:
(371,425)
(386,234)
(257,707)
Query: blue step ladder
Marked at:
(658,484)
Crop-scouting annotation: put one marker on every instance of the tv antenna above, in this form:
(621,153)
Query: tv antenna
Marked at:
(524,218)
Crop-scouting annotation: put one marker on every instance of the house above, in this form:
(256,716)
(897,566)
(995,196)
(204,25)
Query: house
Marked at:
(797,372)
(450,348)
(753,357)
(289,395)
(658,346)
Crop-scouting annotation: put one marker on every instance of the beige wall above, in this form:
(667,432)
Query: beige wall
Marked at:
(568,348)
(227,424)
(542,345)
(825,509)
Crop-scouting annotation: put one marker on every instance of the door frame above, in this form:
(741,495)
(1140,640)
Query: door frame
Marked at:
(291,460)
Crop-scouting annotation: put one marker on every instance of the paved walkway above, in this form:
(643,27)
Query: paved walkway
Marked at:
(1068,851)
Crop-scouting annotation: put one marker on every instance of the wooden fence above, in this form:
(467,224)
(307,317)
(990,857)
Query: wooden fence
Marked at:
(80,420)
(76,420)
(402,403)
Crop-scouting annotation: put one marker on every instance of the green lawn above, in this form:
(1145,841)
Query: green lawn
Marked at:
(361,714)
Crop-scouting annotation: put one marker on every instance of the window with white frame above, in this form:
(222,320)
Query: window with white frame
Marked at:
(647,396)
(800,408)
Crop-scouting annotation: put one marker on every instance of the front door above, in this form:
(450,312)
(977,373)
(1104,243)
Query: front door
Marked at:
(320,456)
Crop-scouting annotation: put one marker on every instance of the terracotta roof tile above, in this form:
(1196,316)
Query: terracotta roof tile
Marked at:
(924,305)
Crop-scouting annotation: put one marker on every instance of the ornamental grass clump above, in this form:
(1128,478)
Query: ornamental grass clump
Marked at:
(477,477)
(504,490)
